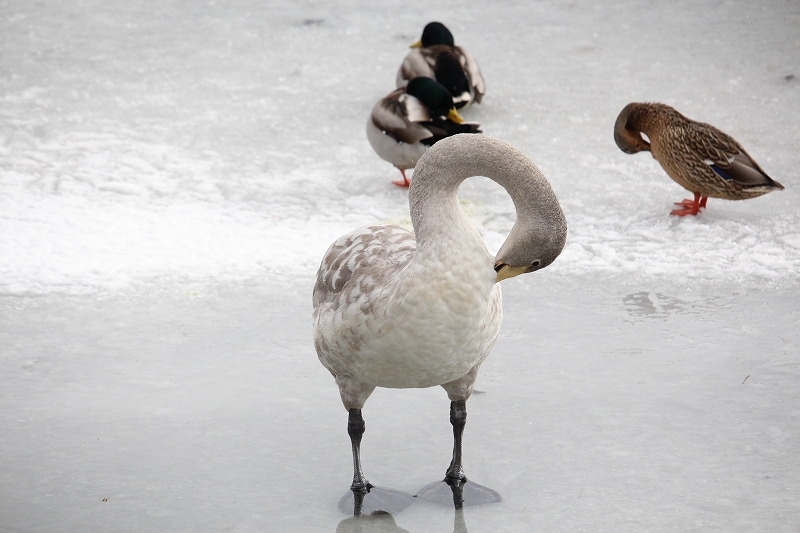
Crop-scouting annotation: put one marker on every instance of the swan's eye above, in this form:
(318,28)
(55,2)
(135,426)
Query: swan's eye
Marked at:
(536,263)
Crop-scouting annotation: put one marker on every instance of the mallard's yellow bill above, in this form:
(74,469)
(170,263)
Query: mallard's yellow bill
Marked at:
(455,117)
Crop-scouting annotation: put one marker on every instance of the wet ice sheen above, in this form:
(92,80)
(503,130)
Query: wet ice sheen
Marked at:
(171,174)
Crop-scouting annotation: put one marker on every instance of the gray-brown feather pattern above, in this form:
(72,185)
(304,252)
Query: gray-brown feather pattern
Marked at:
(375,253)
(686,149)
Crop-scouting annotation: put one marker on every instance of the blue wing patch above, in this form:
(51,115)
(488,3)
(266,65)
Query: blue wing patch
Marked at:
(721,173)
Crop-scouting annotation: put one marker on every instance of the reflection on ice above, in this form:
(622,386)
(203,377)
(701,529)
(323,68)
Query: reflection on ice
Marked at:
(652,304)
(439,492)
(376,522)
(466,494)
(383,522)
(377,499)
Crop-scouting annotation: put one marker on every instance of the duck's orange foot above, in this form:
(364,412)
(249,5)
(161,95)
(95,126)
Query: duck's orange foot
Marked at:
(684,212)
(690,207)
(405,182)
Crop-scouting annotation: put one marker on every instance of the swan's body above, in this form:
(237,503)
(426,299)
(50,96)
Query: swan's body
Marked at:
(436,56)
(698,156)
(408,121)
(371,335)
(399,309)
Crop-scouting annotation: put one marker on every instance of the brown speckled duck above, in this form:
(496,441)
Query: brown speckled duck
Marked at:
(698,156)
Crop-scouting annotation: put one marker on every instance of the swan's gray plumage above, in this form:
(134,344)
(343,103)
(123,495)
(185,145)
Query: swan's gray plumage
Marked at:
(399,309)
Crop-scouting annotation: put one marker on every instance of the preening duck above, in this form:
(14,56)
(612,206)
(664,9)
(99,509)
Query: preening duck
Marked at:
(698,156)
(408,310)
(404,124)
(435,55)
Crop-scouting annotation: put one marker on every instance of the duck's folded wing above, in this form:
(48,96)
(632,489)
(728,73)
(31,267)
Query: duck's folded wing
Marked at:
(399,114)
(415,64)
(725,156)
(363,258)
(474,71)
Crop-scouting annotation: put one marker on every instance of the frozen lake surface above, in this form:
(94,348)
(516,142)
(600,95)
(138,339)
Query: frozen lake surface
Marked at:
(171,174)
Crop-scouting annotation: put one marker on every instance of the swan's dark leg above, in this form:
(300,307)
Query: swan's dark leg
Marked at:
(455,473)
(455,487)
(360,486)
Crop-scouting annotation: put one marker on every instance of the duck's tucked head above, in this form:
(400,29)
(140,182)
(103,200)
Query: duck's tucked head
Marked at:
(435,33)
(627,136)
(435,97)
(450,73)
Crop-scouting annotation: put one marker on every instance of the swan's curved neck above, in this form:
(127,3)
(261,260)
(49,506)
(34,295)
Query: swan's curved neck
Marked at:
(433,195)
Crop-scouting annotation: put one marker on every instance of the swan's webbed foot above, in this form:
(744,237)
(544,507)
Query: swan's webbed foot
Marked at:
(455,488)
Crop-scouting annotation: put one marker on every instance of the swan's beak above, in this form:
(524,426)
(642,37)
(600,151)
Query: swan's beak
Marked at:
(417,44)
(505,271)
(455,117)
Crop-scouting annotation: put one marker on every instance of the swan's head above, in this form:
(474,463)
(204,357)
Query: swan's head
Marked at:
(532,245)
(435,33)
(628,139)
(540,231)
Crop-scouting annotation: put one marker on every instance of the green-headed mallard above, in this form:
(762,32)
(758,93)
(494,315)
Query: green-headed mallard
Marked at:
(407,122)
(435,55)
(698,156)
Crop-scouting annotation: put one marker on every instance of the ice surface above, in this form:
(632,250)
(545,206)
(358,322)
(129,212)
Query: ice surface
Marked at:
(172,172)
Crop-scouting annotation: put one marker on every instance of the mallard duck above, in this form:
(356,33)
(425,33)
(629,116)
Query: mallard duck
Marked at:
(698,156)
(410,310)
(408,121)
(435,55)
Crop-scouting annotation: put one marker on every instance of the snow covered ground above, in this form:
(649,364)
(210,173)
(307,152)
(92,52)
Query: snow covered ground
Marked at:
(172,172)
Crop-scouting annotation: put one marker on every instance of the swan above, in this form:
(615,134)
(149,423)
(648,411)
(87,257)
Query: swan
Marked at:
(698,156)
(410,310)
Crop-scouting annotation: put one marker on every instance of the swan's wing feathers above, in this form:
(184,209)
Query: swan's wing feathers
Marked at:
(371,255)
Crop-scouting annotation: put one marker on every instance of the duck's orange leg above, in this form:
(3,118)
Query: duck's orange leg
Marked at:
(405,183)
(690,207)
